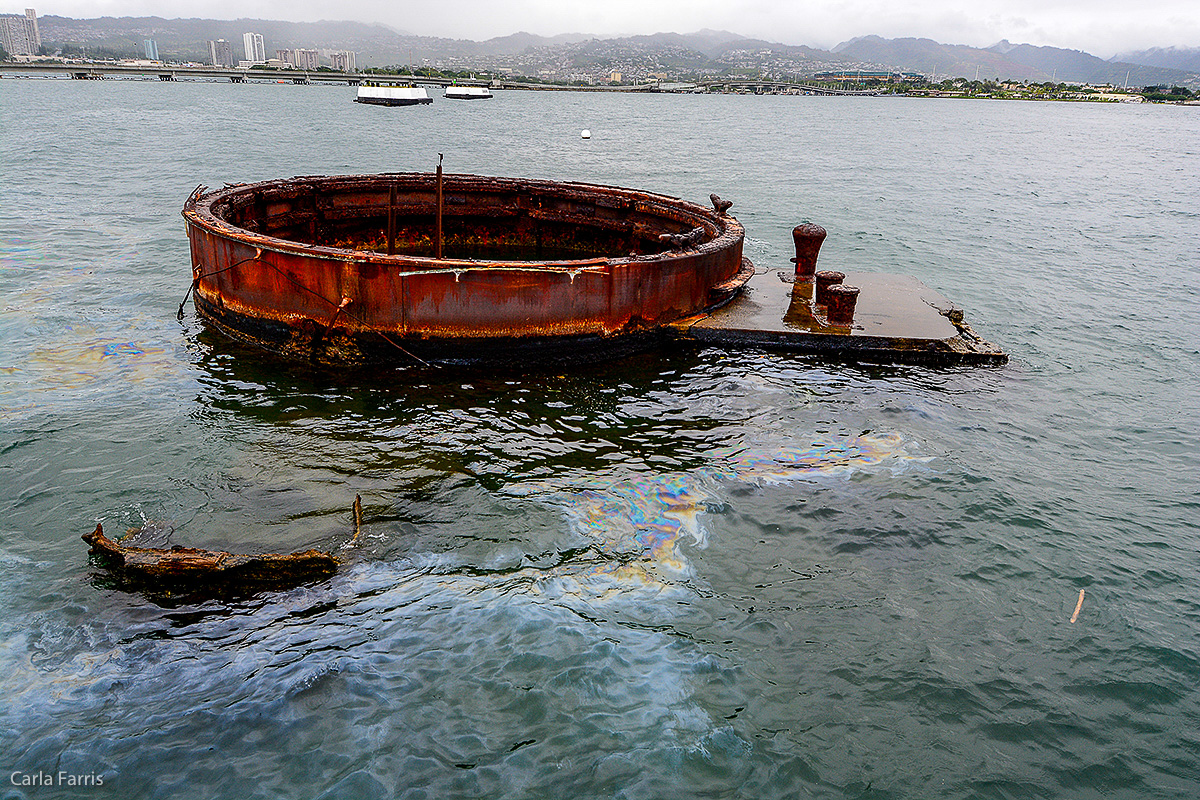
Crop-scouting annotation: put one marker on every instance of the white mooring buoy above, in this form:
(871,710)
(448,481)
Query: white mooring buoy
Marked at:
(585,134)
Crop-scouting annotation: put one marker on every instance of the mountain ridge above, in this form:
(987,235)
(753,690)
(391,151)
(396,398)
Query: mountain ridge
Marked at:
(1184,58)
(706,49)
(1005,60)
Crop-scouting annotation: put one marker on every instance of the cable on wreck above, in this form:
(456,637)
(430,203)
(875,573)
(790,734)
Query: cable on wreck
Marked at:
(340,308)
(200,274)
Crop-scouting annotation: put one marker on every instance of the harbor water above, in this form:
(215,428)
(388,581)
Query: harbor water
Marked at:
(689,573)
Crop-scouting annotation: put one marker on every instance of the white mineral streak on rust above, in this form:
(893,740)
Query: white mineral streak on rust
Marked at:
(502,267)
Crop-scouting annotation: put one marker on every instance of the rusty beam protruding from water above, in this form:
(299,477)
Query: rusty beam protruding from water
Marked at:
(841,300)
(826,278)
(357,518)
(808,239)
(183,572)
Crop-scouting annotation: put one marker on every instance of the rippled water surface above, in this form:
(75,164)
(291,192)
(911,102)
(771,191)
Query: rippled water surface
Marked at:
(684,574)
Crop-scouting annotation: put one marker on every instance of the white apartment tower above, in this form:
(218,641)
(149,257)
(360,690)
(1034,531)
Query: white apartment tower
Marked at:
(255,52)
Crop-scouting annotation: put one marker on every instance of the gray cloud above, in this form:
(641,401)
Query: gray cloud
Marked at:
(1101,27)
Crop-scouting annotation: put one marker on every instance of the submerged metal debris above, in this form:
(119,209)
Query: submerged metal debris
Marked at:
(190,573)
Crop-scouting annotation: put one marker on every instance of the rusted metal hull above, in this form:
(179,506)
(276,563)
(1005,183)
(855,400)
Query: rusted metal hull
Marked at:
(341,269)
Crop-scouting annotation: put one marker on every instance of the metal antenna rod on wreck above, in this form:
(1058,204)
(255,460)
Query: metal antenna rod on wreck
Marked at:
(437,241)
(391,220)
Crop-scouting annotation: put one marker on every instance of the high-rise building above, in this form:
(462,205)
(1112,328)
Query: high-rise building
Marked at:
(221,52)
(307,59)
(253,44)
(342,60)
(286,56)
(19,35)
(31,24)
(151,48)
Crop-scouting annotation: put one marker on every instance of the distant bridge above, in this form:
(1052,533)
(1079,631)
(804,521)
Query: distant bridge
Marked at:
(92,70)
(173,72)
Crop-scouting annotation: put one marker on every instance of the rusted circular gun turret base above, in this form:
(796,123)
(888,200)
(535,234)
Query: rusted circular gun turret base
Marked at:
(409,267)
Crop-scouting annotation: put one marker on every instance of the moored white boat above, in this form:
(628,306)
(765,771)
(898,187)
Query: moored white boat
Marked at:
(468,92)
(392,95)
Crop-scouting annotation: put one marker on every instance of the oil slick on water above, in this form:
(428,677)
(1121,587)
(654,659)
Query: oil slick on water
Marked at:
(636,525)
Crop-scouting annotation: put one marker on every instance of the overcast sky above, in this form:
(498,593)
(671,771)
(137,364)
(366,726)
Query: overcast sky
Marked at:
(1100,27)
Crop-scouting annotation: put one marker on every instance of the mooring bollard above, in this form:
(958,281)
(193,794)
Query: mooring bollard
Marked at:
(825,279)
(808,239)
(841,301)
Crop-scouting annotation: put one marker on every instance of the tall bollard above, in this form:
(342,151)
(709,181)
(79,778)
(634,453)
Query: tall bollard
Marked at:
(808,239)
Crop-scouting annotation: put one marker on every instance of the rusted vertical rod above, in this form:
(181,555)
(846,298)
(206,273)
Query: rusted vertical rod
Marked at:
(391,251)
(357,518)
(437,242)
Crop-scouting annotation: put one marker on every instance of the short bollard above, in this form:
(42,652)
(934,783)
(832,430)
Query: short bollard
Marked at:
(808,239)
(840,308)
(825,279)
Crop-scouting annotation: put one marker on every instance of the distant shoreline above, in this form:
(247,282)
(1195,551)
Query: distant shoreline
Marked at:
(59,70)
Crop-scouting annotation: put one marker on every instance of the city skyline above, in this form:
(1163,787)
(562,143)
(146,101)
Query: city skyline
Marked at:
(1103,27)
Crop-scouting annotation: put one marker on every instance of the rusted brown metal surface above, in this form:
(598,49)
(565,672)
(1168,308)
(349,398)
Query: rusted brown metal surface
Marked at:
(825,279)
(840,302)
(896,319)
(186,572)
(302,266)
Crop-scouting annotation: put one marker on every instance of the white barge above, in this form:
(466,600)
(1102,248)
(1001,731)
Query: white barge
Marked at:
(392,94)
(468,93)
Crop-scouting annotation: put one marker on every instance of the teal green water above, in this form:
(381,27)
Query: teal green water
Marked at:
(695,574)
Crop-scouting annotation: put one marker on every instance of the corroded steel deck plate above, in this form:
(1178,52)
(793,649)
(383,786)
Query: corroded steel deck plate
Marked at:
(344,269)
(897,319)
